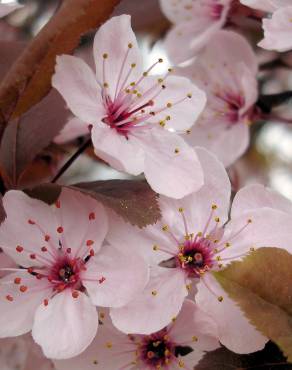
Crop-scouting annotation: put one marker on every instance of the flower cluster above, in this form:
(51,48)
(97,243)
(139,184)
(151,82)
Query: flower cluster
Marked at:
(104,275)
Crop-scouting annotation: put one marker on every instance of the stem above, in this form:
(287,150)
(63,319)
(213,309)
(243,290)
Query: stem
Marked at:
(71,160)
(277,118)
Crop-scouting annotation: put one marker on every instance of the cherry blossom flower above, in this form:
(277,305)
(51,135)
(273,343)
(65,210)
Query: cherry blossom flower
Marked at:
(179,345)
(6,9)
(192,240)
(65,271)
(278,28)
(133,115)
(197,21)
(226,70)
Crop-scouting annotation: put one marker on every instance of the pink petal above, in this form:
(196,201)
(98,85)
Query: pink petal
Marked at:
(264,5)
(168,162)
(235,332)
(114,276)
(278,30)
(113,39)
(21,211)
(228,143)
(122,233)
(193,322)
(121,153)
(76,82)
(74,128)
(186,103)
(155,306)
(110,350)
(5,9)
(17,312)
(256,196)
(268,228)
(66,326)
(82,219)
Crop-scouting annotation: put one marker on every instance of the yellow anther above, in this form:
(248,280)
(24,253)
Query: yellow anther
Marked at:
(176,150)
(133,65)
(145,74)
(132,83)
(168,118)
(101,315)
(220,298)
(217,219)
(139,95)
(130,45)
(128,91)
(160,60)
(169,105)
(188,287)
(188,132)
(181,209)
(252,249)
(181,363)
(165,228)
(214,206)
(162,123)
(109,345)
(194,338)
(189,96)
(227,245)
(95,362)
(173,319)
(105,85)
(154,292)
(160,80)
(249,221)
(170,70)
(155,247)
(105,56)
(199,234)
(218,258)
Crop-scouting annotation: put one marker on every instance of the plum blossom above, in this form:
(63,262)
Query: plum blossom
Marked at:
(6,9)
(277,28)
(193,239)
(132,114)
(179,345)
(65,271)
(197,21)
(227,71)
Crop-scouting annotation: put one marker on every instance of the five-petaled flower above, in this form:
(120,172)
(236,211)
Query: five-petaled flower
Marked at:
(227,71)
(178,345)
(64,273)
(193,239)
(134,115)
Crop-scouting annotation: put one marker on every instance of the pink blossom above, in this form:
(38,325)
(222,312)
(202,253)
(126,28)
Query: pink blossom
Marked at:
(65,271)
(278,30)
(192,240)
(226,70)
(195,22)
(179,345)
(134,115)
(22,353)
(6,9)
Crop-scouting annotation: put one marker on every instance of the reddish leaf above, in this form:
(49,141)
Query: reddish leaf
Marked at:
(270,358)
(29,79)
(25,138)
(134,201)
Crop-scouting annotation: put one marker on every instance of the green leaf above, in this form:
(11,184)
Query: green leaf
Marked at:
(261,285)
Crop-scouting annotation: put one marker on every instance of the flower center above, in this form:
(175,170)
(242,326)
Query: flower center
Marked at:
(196,257)
(65,273)
(157,350)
